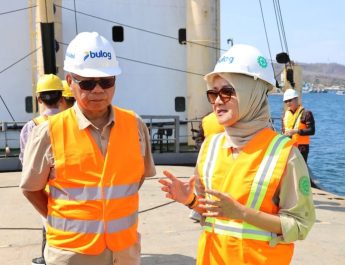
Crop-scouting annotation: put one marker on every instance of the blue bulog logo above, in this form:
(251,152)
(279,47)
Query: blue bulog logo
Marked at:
(99,54)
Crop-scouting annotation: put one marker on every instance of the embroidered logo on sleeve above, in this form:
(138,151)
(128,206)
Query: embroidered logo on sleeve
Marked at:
(304,185)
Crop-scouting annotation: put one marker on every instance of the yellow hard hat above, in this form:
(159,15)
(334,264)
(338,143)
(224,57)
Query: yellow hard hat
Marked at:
(49,82)
(67,92)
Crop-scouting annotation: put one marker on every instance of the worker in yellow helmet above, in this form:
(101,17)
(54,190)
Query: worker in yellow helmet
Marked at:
(49,93)
(67,96)
(209,125)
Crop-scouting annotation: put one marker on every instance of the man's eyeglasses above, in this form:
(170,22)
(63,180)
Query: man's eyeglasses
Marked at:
(224,94)
(90,84)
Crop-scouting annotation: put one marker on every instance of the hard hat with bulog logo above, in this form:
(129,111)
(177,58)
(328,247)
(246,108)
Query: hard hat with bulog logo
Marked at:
(91,55)
(67,92)
(49,82)
(247,60)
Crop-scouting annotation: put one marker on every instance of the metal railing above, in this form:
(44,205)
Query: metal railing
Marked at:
(168,131)
(9,137)
(163,129)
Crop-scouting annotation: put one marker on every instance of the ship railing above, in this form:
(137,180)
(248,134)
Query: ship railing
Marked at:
(167,134)
(170,134)
(9,137)
(163,129)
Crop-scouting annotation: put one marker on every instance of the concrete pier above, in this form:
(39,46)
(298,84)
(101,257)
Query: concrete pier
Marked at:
(168,235)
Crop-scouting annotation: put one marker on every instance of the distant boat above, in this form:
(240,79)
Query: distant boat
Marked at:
(319,90)
(340,92)
(306,90)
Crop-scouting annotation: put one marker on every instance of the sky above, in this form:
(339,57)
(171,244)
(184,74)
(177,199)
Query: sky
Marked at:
(314,29)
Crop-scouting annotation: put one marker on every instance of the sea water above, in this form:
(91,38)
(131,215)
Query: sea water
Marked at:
(327,148)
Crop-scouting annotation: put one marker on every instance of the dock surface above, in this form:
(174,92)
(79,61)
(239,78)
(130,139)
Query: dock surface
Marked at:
(168,236)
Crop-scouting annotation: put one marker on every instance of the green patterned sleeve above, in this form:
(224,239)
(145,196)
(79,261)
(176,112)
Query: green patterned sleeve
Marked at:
(297,212)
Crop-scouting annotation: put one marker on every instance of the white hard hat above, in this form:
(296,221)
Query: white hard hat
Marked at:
(91,55)
(290,94)
(247,60)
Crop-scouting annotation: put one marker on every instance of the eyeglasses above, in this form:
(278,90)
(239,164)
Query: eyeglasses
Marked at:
(90,84)
(224,93)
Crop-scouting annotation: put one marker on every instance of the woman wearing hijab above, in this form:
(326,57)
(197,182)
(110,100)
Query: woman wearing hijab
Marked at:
(255,190)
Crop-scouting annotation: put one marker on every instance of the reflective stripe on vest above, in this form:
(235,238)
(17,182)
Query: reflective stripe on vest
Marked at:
(257,194)
(264,174)
(210,161)
(238,230)
(122,223)
(94,193)
(92,227)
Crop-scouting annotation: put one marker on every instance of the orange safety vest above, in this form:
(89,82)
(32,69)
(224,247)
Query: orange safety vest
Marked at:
(293,121)
(93,200)
(252,179)
(210,125)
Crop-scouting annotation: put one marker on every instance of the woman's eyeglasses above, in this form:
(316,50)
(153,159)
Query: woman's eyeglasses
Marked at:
(224,94)
(90,84)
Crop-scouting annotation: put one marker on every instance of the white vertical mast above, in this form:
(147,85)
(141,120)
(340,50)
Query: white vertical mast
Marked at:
(202,34)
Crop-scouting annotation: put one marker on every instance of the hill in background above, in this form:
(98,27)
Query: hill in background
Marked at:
(331,74)
(322,74)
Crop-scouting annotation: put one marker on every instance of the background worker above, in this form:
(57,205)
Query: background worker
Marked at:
(67,96)
(94,157)
(298,123)
(49,93)
(209,125)
(257,198)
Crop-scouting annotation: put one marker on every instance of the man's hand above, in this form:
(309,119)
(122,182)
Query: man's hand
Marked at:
(290,132)
(39,200)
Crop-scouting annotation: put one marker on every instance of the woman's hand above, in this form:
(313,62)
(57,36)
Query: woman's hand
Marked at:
(225,206)
(176,189)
